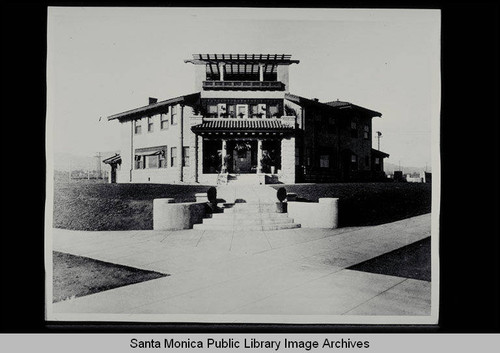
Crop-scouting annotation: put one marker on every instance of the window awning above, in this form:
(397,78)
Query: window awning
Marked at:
(148,153)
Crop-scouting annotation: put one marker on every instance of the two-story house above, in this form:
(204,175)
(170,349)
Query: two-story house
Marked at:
(243,124)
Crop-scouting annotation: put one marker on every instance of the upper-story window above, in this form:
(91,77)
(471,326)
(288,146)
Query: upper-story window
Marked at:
(212,111)
(231,111)
(137,126)
(354,129)
(254,110)
(242,111)
(163,121)
(273,111)
(173,117)
(366,132)
(150,124)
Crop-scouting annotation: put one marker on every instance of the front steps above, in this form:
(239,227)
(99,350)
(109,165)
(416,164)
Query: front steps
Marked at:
(248,217)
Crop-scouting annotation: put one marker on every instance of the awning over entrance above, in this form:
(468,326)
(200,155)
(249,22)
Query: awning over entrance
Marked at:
(244,127)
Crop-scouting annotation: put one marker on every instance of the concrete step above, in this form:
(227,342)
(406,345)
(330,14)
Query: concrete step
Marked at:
(245,228)
(237,216)
(247,222)
(251,208)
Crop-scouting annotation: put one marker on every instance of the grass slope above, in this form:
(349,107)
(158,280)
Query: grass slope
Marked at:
(77,276)
(364,204)
(101,206)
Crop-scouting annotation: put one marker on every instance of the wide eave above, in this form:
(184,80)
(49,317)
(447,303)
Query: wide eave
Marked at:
(155,108)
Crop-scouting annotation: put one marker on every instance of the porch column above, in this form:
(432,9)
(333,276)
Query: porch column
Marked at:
(261,72)
(221,71)
(223,156)
(288,160)
(259,156)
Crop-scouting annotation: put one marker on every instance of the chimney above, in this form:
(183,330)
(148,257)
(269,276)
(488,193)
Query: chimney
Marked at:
(152,100)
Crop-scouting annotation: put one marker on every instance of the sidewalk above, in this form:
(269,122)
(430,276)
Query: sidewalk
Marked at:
(231,276)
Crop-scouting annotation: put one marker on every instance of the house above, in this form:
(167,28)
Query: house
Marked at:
(244,124)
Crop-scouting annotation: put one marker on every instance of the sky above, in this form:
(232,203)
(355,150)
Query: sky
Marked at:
(102,61)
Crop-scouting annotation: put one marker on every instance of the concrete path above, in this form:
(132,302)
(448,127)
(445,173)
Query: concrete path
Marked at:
(288,272)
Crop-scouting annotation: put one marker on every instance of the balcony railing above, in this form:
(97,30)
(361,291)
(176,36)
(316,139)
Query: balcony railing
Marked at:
(244,85)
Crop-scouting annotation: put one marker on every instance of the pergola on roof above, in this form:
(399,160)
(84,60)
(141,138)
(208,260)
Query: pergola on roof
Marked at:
(241,63)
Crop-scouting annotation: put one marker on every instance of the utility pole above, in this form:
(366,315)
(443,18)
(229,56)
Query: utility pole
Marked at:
(379,135)
(98,156)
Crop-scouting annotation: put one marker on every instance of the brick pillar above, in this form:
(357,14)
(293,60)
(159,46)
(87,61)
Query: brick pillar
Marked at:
(288,160)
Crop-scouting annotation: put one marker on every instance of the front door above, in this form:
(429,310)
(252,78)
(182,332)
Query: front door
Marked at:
(244,157)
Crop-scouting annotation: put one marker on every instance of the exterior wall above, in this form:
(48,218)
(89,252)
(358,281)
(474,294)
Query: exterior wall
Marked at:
(178,135)
(200,75)
(282,71)
(124,174)
(287,175)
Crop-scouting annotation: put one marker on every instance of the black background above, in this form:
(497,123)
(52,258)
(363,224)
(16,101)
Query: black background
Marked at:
(469,151)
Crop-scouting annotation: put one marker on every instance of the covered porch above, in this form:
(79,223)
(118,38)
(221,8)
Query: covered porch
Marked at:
(244,153)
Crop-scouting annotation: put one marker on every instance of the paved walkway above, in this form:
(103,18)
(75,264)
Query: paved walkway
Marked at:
(219,274)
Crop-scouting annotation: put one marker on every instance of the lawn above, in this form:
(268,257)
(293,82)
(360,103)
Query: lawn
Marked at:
(83,205)
(412,261)
(365,204)
(77,276)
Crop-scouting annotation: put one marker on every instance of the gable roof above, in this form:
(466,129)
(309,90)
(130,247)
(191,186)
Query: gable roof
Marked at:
(155,108)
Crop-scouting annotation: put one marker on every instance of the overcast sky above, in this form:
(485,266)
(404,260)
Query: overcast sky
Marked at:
(102,61)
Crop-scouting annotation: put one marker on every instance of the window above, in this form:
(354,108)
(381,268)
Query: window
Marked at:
(152,161)
(162,159)
(254,111)
(163,121)
(324,161)
(173,157)
(354,129)
(137,126)
(377,160)
(366,132)
(185,156)
(221,110)
(174,115)
(354,162)
(139,162)
(150,124)
(212,111)
(242,111)
(273,111)
(231,111)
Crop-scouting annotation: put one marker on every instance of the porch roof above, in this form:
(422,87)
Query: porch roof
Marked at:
(379,153)
(219,125)
(113,159)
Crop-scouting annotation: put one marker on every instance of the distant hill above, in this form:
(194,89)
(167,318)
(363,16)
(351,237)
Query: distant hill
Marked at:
(389,168)
(65,161)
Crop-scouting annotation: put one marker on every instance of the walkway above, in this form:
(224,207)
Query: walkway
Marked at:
(296,273)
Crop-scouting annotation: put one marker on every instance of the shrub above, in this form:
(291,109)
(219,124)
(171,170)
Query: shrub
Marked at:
(281,194)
